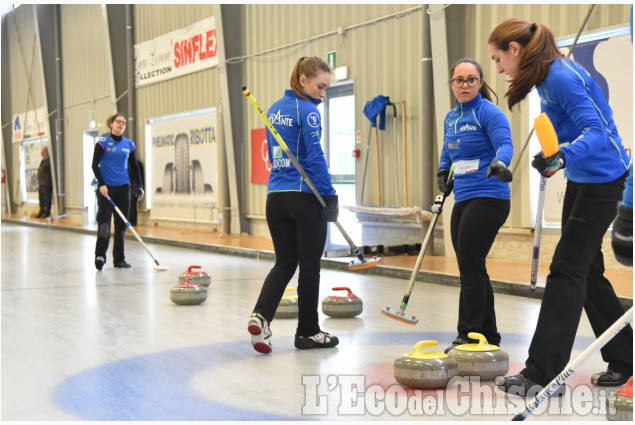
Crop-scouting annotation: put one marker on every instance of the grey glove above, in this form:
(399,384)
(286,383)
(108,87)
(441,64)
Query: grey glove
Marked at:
(498,169)
(331,209)
(138,193)
(622,236)
(548,166)
(445,186)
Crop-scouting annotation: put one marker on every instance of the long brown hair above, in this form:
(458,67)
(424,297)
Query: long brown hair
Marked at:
(485,91)
(309,67)
(539,51)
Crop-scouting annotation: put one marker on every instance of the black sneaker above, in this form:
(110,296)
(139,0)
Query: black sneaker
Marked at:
(319,340)
(609,378)
(123,264)
(523,387)
(457,341)
(99,262)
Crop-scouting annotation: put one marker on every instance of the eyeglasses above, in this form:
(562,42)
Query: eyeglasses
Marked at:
(122,122)
(471,82)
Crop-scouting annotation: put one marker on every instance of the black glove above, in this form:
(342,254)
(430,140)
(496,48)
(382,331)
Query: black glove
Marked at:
(137,193)
(548,166)
(622,235)
(498,169)
(445,186)
(331,209)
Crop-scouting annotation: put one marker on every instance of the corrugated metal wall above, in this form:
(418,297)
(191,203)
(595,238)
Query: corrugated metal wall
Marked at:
(383,57)
(199,90)
(87,84)
(24,65)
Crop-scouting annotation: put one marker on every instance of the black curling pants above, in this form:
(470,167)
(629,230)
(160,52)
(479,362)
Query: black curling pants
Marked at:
(576,281)
(121,197)
(474,226)
(298,232)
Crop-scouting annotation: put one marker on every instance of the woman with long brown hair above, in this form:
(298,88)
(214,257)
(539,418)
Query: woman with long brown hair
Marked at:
(296,219)
(596,166)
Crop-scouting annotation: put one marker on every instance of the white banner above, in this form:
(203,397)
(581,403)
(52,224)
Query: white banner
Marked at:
(184,167)
(177,53)
(30,125)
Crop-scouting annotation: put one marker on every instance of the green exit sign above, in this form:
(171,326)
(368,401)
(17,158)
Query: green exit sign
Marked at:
(331,59)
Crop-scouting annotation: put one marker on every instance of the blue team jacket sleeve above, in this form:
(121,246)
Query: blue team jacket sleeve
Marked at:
(580,109)
(311,132)
(496,126)
(445,162)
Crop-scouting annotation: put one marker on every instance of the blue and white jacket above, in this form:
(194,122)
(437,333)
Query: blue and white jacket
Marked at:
(476,133)
(583,121)
(113,165)
(299,124)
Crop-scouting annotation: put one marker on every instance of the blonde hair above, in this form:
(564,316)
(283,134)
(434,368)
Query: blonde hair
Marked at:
(309,67)
(539,51)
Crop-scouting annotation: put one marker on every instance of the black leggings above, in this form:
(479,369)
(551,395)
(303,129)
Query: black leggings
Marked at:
(299,234)
(120,195)
(475,224)
(576,281)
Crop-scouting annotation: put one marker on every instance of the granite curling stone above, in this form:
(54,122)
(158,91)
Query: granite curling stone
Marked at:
(188,293)
(349,305)
(425,369)
(481,359)
(199,277)
(619,405)
(288,307)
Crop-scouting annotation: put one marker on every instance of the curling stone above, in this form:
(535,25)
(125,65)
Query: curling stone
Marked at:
(425,369)
(482,359)
(288,307)
(188,293)
(619,406)
(199,277)
(342,306)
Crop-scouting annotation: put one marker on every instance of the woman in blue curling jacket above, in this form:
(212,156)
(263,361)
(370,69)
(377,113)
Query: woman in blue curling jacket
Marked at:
(296,219)
(477,146)
(596,166)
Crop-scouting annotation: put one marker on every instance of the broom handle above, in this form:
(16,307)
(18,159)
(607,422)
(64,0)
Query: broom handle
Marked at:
(570,368)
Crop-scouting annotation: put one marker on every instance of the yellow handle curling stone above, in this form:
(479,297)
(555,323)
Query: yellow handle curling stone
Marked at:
(481,359)
(288,307)
(425,369)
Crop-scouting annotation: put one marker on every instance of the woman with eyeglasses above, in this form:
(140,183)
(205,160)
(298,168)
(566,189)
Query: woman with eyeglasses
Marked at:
(113,156)
(596,166)
(477,146)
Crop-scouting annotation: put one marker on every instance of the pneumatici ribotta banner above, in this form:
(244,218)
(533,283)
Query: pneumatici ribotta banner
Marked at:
(184,167)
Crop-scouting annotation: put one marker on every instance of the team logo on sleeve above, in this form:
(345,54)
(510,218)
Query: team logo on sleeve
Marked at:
(313,119)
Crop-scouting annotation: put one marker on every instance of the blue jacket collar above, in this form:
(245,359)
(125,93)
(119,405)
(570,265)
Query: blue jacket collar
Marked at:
(289,92)
(472,102)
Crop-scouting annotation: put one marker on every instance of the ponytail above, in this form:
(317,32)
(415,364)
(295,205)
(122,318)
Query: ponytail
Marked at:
(309,67)
(538,52)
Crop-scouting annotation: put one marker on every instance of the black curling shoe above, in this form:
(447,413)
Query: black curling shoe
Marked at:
(123,265)
(524,387)
(609,378)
